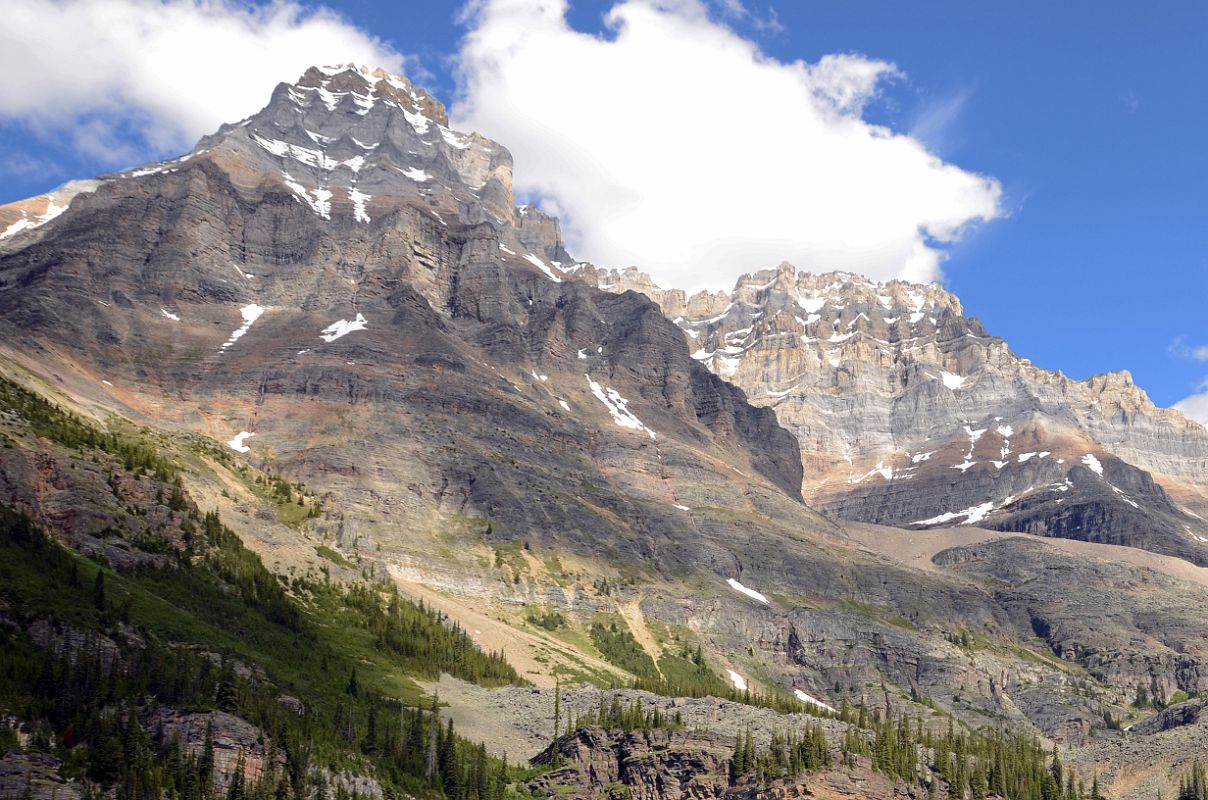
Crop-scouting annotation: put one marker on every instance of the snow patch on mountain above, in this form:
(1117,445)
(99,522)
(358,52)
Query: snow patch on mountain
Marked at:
(343,327)
(738,587)
(237,442)
(618,407)
(541,265)
(250,314)
(972,515)
(28,223)
(810,700)
(359,199)
(952,381)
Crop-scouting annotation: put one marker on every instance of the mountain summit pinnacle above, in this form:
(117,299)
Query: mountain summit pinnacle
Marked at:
(355,143)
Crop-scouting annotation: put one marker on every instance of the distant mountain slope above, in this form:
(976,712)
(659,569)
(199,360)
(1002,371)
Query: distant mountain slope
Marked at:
(909,413)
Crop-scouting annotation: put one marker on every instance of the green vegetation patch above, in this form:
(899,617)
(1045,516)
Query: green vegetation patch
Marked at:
(215,630)
(334,556)
(49,421)
(617,645)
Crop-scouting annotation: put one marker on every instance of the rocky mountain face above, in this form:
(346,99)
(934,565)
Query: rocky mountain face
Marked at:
(344,245)
(340,292)
(909,413)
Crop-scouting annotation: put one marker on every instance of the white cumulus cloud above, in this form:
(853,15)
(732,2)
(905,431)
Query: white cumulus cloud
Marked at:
(674,144)
(129,79)
(1196,406)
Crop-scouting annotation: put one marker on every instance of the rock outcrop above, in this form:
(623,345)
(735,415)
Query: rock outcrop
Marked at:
(35,776)
(1174,716)
(644,765)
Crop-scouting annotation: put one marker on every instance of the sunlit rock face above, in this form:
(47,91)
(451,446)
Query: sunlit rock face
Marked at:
(909,413)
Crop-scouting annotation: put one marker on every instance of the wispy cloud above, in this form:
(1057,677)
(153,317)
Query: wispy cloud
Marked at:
(936,124)
(1194,406)
(24,166)
(733,8)
(1180,348)
(768,22)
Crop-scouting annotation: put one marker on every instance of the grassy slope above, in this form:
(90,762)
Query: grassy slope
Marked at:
(306,637)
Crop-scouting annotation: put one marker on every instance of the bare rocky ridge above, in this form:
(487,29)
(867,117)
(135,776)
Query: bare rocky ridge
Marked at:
(909,413)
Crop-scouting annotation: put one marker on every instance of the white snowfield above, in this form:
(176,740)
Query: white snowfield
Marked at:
(618,407)
(250,313)
(954,382)
(359,198)
(454,139)
(972,515)
(26,222)
(305,155)
(343,327)
(1092,462)
(811,700)
(973,435)
(740,683)
(738,587)
(237,443)
(541,265)
(320,203)
(880,469)
(417,175)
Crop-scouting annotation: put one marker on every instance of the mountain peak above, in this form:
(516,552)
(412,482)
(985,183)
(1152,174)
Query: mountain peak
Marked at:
(355,143)
(336,81)
(887,384)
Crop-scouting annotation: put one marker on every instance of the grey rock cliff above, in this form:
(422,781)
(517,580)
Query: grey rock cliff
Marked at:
(908,412)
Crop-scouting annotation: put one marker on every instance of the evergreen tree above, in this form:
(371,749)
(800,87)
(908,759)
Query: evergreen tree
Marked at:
(369,743)
(236,791)
(205,767)
(98,591)
(432,761)
(450,765)
(1193,785)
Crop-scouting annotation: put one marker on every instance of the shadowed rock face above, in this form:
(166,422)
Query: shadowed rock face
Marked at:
(1061,600)
(908,413)
(1175,716)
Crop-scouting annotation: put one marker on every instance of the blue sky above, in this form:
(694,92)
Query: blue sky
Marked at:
(1090,116)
